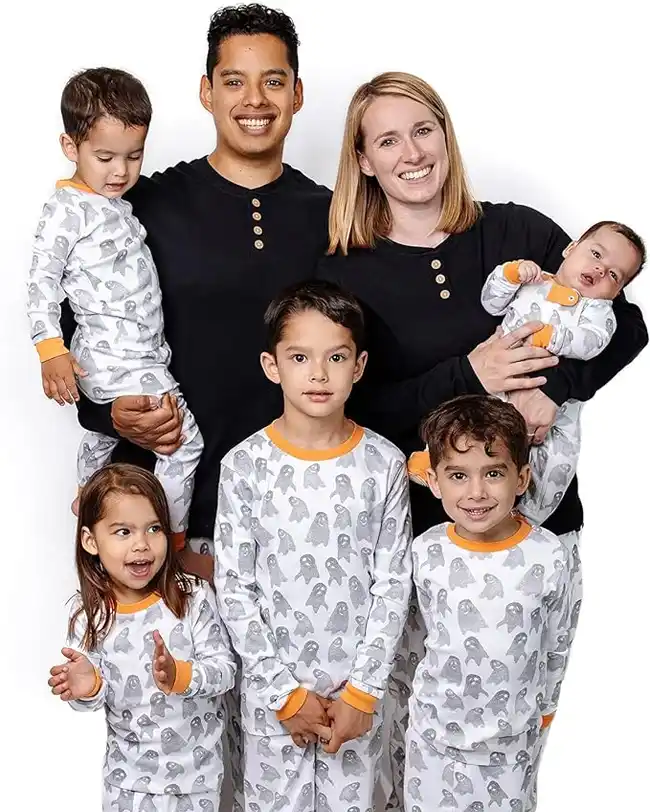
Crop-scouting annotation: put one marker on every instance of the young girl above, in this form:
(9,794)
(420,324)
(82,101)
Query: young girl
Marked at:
(148,645)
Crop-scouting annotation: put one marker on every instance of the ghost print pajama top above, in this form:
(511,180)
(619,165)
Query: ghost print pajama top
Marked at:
(312,569)
(500,620)
(162,744)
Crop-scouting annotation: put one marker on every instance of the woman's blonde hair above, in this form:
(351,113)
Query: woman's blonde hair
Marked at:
(359,212)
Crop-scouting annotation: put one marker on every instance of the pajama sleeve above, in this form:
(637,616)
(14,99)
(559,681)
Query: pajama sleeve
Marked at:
(500,288)
(235,556)
(53,243)
(561,613)
(589,338)
(211,671)
(391,588)
(98,698)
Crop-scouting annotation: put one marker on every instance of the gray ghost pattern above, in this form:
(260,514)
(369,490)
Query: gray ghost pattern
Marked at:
(338,615)
(161,745)
(581,330)
(119,338)
(470,719)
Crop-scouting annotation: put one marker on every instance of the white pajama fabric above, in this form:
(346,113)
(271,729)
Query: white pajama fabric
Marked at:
(91,250)
(161,744)
(312,572)
(581,329)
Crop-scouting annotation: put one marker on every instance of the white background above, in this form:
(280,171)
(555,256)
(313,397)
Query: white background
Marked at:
(550,107)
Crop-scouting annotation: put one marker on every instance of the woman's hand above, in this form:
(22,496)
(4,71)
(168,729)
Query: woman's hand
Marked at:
(502,362)
(537,409)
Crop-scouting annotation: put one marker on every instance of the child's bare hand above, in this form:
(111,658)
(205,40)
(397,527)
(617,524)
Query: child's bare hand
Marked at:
(164,665)
(347,723)
(59,381)
(311,722)
(529,272)
(74,679)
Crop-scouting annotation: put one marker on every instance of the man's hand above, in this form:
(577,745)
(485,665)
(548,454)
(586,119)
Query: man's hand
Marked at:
(146,422)
(311,722)
(529,272)
(59,378)
(347,723)
(537,409)
(197,564)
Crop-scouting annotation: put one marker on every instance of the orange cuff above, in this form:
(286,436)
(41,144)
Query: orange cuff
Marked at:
(50,348)
(183,677)
(358,699)
(297,699)
(418,466)
(511,272)
(546,720)
(543,337)
(178,541)
(96,686)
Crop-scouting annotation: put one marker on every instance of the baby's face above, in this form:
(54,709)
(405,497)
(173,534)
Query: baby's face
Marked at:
(110,159)
(600,265)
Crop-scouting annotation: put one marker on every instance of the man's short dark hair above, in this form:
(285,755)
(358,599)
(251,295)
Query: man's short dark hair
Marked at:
(97,92)
(476,418)
(326,298)
(251,19)
(620,228)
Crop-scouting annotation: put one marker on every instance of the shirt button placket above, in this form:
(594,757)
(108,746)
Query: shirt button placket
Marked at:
(436,265)
(257,229)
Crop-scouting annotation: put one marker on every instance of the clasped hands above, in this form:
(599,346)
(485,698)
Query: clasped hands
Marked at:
(331,722)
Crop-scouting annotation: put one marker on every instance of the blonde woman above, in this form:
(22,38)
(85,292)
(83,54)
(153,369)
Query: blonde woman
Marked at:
(411,243)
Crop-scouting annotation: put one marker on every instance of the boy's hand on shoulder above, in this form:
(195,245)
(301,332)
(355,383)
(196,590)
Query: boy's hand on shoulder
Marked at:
(59,376)
(311,722)
(74,679)
(347,723)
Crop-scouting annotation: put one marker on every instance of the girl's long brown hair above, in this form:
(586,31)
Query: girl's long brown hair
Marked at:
(96,595)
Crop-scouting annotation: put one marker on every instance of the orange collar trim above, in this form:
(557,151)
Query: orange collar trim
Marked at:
(561,294)
(60,184)
(145,603)
(315,454)
(490,546)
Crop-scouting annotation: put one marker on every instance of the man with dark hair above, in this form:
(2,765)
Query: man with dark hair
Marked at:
(227,232)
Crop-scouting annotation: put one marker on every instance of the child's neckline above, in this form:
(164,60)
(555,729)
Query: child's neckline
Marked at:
(61,184)
(138,606)
(315,454)
(490,546)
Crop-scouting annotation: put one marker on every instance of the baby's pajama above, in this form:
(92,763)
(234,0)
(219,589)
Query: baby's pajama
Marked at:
(575,327)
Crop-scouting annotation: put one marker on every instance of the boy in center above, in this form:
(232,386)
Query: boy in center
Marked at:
(313,566)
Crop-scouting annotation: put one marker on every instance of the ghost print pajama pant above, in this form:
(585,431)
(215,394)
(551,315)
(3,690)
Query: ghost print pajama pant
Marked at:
(124,800)
(174,471)
(433,781)
(232,790)
(411,651)
(281,776)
